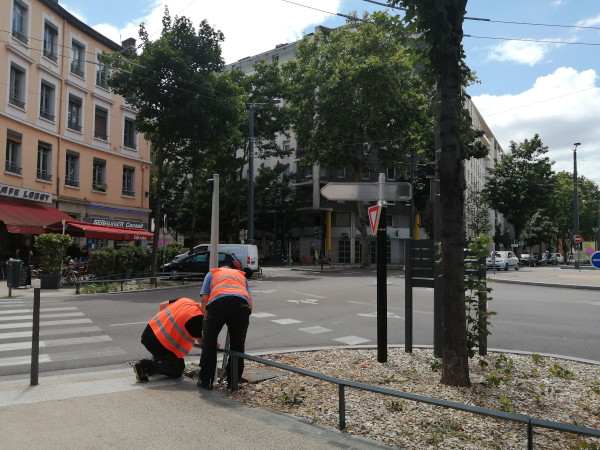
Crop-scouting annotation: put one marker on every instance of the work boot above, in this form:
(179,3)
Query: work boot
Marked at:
(140,373)
(205,384)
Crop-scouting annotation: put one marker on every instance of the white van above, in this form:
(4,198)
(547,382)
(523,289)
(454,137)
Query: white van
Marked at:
(246,253)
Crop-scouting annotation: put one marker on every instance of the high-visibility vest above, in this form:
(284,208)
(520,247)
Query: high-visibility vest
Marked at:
(228,282)
(169,326)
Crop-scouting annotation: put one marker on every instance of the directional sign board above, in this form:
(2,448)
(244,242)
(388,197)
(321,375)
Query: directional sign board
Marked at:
(595,260)
(577,239)
(392,192)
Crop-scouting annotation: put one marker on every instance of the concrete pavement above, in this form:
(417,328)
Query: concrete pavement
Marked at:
(106,408)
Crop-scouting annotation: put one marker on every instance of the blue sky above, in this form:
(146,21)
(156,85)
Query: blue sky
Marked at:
(525,86)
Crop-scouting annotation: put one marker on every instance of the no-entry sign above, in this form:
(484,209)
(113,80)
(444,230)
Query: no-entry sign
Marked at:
(577,239)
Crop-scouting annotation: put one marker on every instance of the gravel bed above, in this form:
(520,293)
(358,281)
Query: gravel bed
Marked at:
(541,387)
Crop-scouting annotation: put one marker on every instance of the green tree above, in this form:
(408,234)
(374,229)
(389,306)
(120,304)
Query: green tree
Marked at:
(183,101)
(357,100)
(438,23)
(521,183)
(538,230)
(477,213)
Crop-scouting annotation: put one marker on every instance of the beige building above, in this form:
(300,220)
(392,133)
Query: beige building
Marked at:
(70,143)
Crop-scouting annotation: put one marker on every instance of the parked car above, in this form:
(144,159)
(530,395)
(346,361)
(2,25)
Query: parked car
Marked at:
(550,259)
(538,260)
(247,254)
(559,258)
(502,260)
(198,264)
(526,259)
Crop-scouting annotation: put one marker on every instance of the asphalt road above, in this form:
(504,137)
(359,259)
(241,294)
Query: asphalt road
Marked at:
(295,309)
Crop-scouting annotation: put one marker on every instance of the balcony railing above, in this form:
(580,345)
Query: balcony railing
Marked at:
(12,168)
(50,55)
(74,126)
(99,187)
(44,175)
(71,182)
(20,36)
(77,69)
(102,137)
(46,115)
(16,101)
(128,192)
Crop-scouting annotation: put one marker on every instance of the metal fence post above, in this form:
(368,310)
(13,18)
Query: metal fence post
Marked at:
(234,372)
(342,406)
(35,335)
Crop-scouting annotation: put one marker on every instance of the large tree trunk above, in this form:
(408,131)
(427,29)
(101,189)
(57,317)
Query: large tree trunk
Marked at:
(160,163)
(455,361)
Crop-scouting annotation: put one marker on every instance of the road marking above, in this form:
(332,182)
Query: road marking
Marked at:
(308,295)
(56,342)
(21,360)
(30,311)
(314,330)
(266,291)
(260,315)
(5,326)
(42,316)
(591,303)
(286,321)
(311,301)
(389,314)
(352,340)
(360,303)
(27,334)
(126,324)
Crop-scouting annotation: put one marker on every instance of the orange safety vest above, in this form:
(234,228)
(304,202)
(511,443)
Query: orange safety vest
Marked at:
(169,326)
(228,282)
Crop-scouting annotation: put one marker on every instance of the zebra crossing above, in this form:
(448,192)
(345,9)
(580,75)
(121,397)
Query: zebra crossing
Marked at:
(65,334)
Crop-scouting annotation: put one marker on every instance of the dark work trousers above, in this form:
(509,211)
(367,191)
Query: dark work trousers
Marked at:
(235,313)
(164,361)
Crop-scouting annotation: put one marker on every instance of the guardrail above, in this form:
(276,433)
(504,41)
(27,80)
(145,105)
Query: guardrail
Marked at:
(531,422)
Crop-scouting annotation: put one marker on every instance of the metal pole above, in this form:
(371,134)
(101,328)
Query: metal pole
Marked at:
(437,238)
(575,207)
(214,225)
(35,335)
(251,175)
(381,276)
(408,272)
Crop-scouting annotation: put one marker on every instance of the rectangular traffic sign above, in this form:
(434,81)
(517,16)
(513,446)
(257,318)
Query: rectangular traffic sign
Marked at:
(396,191)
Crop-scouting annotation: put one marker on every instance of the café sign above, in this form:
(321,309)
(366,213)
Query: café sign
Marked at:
(25,194)
(119,223)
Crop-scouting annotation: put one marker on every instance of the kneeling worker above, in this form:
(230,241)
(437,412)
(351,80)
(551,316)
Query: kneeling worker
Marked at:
(169,336)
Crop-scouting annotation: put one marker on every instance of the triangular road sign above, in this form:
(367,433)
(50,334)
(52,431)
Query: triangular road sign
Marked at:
(374,218)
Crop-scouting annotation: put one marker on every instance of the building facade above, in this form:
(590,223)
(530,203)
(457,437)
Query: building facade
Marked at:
(70,143)
(338,219)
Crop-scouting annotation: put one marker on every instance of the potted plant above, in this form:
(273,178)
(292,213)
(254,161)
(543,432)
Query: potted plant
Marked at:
(52,249)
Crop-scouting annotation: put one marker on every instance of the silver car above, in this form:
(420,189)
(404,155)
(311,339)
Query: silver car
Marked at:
(502,260)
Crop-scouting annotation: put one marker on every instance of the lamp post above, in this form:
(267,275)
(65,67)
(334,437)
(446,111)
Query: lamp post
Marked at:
(575,206)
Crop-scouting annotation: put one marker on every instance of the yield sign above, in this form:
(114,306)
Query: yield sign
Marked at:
(374,218)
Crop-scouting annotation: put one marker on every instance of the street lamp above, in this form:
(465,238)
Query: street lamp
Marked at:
(252,107)
(575,206)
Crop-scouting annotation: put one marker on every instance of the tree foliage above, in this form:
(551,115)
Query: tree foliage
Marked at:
(521,183)
(183,102)
(477,213)
(356,99)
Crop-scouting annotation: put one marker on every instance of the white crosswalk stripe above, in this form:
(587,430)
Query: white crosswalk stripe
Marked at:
(62,330)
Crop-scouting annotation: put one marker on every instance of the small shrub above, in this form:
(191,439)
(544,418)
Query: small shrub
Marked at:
(291,398)
(561,372)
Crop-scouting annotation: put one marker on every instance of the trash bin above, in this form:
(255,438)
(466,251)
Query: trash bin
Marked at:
(14,268)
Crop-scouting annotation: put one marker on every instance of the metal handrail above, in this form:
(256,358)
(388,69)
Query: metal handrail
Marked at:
(531,422)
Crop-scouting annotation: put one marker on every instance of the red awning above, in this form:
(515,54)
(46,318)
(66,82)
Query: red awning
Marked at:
(28,219)
(92,231)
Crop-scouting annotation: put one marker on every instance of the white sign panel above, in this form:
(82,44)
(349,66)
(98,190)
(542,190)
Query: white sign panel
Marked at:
(367,191)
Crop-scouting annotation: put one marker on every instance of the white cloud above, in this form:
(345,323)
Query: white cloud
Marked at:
(520,52)
(592,22)
(562,107)
(248,30)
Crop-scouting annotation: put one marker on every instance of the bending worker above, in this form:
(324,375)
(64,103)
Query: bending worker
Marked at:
(169,336)
(225,300)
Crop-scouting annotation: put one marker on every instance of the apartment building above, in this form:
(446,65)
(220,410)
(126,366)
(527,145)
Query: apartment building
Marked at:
(339,218)
(72,152)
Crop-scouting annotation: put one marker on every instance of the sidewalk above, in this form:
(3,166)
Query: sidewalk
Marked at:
(106,408)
